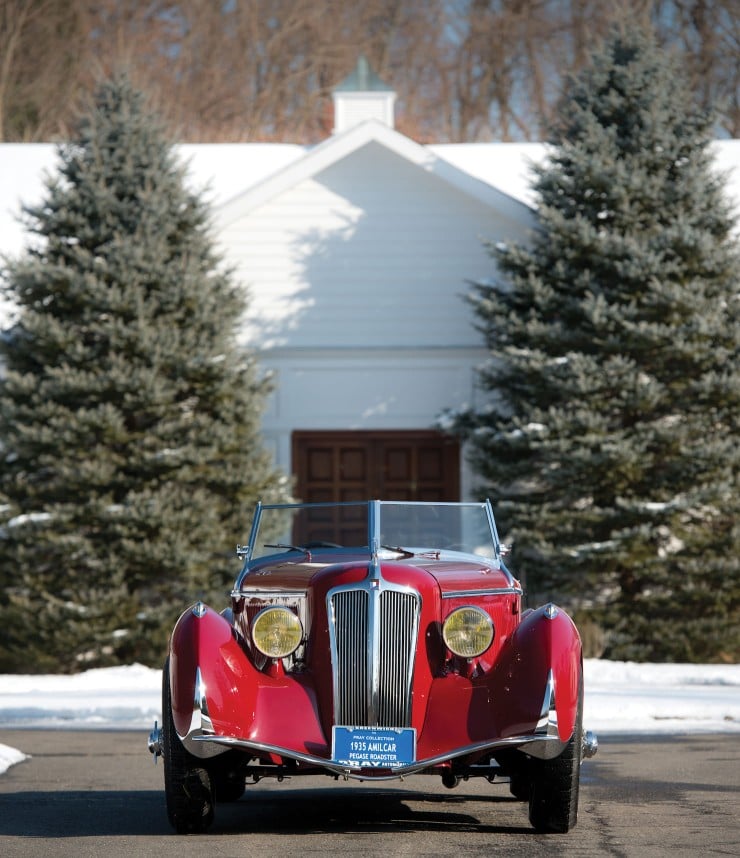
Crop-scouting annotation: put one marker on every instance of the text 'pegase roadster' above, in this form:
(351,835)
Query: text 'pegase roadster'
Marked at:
(373,641)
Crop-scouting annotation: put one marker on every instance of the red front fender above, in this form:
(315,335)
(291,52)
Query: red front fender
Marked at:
(514,699)
(241,701)
(545,641)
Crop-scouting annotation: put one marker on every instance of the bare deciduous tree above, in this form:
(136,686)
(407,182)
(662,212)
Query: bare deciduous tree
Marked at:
(264,69)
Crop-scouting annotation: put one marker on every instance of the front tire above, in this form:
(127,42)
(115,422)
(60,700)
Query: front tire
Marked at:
(187,785)
(553,798)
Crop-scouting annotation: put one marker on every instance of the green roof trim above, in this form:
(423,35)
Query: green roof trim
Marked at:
(362,79)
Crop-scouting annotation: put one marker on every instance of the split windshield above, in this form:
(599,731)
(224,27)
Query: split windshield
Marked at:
(414,528)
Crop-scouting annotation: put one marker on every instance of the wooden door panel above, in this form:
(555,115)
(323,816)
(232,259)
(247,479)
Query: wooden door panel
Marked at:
(319,464)
(431,465)
(353,464)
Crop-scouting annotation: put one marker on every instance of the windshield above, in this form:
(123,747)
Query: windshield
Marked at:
(387,525)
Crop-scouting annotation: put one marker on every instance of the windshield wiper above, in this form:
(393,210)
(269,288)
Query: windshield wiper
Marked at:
(397,548)
(431,553)
(288,547)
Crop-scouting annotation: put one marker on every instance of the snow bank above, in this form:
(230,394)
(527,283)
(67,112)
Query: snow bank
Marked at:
(9,757)
(623,697)
(119,697)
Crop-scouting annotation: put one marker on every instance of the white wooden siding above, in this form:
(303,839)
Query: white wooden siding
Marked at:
(371,251)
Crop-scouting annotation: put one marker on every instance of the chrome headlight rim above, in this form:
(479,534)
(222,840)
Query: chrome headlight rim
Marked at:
(468,631)
(264,624)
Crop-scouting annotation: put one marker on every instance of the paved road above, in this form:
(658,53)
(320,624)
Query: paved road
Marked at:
(99,794)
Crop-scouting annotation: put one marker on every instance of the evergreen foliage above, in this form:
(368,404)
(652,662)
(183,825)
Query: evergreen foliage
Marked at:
(611,446)
(129,415)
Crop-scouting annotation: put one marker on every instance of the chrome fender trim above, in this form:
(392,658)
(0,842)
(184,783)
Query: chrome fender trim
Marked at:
(201,726)
(547,726)
(547,723)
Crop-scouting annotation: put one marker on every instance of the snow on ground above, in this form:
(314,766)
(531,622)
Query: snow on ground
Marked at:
(621,697)
(9,757)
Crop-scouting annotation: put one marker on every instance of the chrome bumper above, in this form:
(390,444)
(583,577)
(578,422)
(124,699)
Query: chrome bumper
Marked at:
(540,746)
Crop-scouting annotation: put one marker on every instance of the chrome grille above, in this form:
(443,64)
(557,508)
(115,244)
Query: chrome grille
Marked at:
(350,633)
(397,622)
(373,646)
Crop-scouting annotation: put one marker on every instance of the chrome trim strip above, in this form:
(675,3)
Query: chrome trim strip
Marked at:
(547,724)
(199,698)
(201,727)
(375,582)
(493,591)
(539,746)
(200,720)
(373,529)
(373,650)
(271,593)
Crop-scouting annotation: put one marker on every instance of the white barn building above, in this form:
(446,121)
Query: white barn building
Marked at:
(357,253)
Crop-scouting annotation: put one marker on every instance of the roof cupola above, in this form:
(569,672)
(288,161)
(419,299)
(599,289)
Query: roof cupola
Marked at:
(362,95)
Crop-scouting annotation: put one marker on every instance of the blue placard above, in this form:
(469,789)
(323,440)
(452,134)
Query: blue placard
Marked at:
(374,747)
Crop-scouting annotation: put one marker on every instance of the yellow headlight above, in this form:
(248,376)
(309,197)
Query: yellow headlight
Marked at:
(276,632)
(468,632)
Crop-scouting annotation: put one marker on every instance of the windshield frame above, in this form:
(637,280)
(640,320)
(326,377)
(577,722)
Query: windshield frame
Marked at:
(376,542)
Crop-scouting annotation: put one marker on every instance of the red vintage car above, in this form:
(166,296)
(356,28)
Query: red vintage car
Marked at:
(372,641)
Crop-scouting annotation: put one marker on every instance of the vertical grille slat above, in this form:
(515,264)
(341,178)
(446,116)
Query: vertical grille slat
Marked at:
(351,618)
(396,625)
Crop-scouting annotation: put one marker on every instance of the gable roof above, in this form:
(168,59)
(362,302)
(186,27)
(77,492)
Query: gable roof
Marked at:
(342,145)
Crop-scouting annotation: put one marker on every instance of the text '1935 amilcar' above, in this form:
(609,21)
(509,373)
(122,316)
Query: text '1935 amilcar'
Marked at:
(372,641)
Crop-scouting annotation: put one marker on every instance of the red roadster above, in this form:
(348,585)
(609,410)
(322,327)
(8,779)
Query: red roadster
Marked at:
(372,641)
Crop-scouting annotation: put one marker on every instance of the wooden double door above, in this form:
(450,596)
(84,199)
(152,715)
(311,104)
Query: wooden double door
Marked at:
(388,465)
(352,466)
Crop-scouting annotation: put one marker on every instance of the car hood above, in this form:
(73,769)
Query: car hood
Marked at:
(452,576)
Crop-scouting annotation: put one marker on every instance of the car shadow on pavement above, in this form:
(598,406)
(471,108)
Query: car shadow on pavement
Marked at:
(82,813)
(370,811)
(101,813)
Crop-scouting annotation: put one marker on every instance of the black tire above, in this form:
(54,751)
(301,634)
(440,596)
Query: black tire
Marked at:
(553,799)
(515,766)
(228,779)
(187,784)
(519,786)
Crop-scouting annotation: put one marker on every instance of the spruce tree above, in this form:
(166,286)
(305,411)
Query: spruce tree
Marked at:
(611,444)
(129,415)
